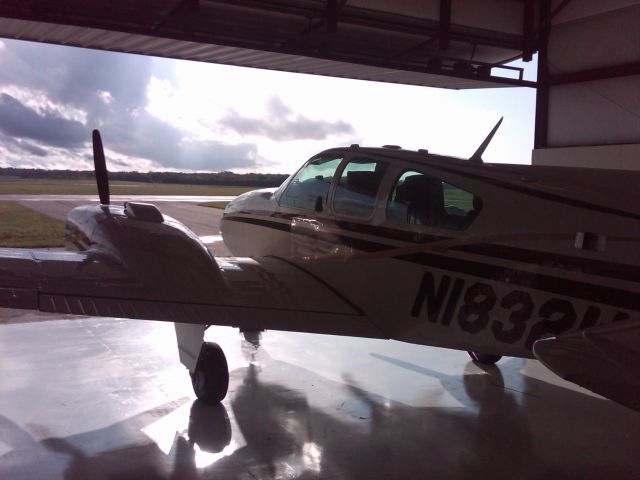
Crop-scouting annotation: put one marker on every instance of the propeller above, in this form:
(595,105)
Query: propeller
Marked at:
(100,164)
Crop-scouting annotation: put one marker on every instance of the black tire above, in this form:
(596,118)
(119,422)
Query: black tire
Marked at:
(210,380)
(484,358)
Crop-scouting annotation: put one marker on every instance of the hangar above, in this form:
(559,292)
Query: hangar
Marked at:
(587,114)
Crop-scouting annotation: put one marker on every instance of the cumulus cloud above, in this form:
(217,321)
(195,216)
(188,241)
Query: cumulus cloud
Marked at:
(280,123)
(48,127)
(93,89)
(105,96)
(21,146)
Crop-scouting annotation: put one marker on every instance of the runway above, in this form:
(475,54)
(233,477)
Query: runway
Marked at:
(93,398)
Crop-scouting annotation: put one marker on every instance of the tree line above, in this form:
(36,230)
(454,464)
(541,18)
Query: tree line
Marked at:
(220,178)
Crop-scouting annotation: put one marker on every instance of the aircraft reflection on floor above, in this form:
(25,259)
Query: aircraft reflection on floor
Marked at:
(285,421)
(367,436)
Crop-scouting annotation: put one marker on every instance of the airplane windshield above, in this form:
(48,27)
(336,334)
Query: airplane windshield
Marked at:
(311,183)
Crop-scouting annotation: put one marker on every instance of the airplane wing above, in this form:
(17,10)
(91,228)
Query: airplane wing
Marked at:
(604,359)
(252,294)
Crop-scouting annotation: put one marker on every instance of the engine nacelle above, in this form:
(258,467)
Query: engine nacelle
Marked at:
(159,254)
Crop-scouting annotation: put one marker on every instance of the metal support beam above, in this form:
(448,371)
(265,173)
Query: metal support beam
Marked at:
(445,24)
(623,70)
(528,30)
(546,21)
(542,91)
(332,15)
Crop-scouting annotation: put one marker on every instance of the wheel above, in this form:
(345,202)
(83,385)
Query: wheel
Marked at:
(210,379)
(484,358)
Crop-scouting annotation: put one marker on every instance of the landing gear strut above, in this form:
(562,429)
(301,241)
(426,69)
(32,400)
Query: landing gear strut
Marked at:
(210,379)
(484,358)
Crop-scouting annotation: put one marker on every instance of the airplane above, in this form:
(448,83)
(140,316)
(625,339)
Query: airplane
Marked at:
(494,259)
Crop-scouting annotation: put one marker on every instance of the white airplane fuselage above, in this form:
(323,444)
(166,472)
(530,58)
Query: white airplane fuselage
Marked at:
(373,242)
(514,253)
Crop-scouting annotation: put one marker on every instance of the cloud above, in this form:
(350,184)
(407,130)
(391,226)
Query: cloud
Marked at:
(32,149)
(282,124)
(20,121)
(203,155)
(74,76)
(54,96)
(145,136)
(21,146)
(105,96)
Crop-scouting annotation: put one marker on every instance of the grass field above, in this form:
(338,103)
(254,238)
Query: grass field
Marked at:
(87,187)
(23,227)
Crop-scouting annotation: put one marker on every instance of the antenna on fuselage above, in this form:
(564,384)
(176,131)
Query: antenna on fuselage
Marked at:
(477,157)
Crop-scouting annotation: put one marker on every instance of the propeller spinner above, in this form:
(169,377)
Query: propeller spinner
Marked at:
(100,164)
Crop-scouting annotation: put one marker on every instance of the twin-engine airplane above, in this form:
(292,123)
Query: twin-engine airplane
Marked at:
(525,261)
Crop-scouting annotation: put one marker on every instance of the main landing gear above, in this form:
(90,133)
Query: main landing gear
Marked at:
(205,361)
(210,379)
(484,358)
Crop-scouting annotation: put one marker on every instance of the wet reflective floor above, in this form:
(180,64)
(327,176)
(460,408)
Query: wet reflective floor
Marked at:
(91,398)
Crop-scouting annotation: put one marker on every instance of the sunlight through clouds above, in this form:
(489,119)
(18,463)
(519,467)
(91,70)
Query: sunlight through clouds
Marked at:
(38,101)
(160,114)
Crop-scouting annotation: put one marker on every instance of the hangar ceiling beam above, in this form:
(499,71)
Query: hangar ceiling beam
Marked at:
(444,28)
(378,40)
(333,14)
(613,71)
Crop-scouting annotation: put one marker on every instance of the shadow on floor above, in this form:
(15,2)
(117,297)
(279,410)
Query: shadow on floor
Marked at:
(296,424)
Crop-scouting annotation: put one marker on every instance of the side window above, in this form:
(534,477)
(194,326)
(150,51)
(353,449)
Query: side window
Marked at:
(419,199)
(311,183)
(358,186)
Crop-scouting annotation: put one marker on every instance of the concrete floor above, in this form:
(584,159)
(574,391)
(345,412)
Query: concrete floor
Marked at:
(106,398)
(91,398)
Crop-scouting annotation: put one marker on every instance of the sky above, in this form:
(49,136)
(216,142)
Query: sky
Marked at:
(176,115)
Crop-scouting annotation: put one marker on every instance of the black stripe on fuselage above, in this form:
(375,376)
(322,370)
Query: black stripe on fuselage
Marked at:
(572,288)
(523,190)
(629,273)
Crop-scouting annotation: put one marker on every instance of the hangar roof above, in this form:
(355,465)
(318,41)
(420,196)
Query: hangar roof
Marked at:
(440,43)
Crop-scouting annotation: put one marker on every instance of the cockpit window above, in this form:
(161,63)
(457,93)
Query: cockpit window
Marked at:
(309,188)
(357,189)
(418,199)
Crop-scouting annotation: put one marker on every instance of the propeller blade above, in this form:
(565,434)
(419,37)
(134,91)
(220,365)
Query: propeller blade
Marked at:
(102,176)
